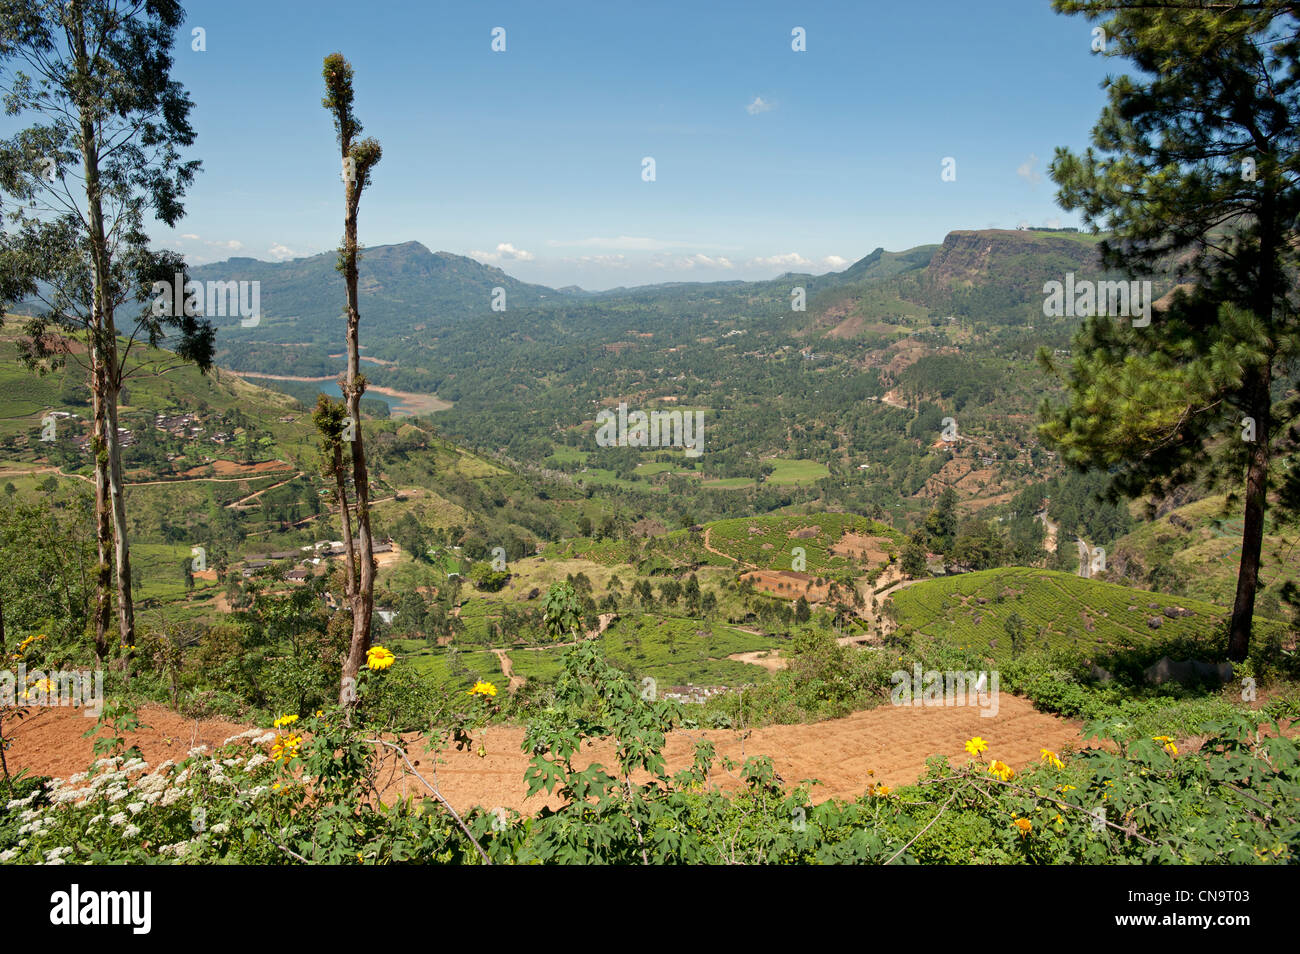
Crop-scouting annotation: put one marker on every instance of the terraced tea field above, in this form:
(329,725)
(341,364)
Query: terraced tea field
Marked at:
(671,650)
(1058,610)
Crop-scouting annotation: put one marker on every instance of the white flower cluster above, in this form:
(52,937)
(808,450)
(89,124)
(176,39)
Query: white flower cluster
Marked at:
(248,734)
(127,784)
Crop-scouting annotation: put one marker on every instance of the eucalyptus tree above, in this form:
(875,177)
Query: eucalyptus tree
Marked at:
(102,158)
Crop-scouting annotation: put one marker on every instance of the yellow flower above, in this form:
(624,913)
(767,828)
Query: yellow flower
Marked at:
(1065,788)
(39,685)
(883,789)
(1002,770)
(1050,758)
(1168,741)
(483,689)
(1060,820)
(286,747)
(976,745)
(22,647)
(1025,826)
(377,657)
(284,720)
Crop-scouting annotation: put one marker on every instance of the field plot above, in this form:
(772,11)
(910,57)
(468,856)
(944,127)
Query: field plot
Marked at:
(769,542)
(1057,610)
(671,650)
(449,666)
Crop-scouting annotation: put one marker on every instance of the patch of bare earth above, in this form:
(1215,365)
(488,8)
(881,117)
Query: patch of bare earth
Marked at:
(862,547)
(787,584)
(887,745)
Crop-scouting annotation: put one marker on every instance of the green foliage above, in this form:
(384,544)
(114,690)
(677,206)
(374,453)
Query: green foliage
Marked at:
(312,799)
(1058,610)
(562,612)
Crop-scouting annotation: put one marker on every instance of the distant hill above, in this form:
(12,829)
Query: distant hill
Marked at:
(402,287)
(989,274)
(406,289)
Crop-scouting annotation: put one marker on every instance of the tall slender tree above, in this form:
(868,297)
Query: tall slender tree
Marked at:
(359,157)
(1195,175)
(104,155)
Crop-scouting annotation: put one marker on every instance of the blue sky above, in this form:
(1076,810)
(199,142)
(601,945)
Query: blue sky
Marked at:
(766,159)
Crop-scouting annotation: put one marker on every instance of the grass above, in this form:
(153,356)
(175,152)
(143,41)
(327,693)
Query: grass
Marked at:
(449,667)
(796,471)
(767,542)
(1204,546)
(1058,610)
(671,650)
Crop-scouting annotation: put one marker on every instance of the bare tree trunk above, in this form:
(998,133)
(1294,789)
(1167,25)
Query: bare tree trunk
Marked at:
(363,595)
(1258,385)
(107,379)
(349,549)
(103,516)
(1252,533)
(121,549)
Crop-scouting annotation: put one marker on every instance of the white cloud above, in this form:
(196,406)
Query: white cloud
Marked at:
(759,105)
(233,245)
(1027,171)
(602,261)
(788,260)
(629,243)
(282,253)
(505,252)
(834,262)
(633,243)
(689,262)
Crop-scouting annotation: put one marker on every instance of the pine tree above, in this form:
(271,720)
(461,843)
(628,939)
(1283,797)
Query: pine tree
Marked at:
(1196,178)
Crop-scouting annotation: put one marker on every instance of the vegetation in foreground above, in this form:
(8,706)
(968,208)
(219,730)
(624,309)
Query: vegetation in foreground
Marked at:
(310,792)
